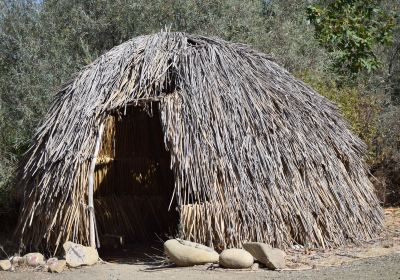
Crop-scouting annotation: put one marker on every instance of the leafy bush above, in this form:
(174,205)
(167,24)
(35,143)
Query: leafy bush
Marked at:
(386,166)
(350,31)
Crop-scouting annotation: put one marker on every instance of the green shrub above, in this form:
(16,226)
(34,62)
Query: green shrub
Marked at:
(351,31)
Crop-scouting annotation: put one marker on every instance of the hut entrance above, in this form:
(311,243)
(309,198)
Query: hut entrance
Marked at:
(133,184)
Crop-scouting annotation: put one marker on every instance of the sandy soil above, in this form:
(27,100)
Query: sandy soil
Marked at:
(378,259)
(387,267)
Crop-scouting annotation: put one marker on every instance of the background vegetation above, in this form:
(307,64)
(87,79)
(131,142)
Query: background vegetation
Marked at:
(349,50)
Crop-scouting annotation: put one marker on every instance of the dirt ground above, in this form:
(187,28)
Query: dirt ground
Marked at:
(377,259)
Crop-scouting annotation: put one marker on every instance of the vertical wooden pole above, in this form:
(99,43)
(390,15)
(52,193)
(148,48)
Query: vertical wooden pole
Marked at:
(90,190)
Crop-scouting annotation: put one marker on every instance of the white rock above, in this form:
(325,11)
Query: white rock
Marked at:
(272,258)
(298,247)
(51,260)
(34,259)
(5,265)
(17,260)
(77,255)
(186,253)
(57,266)
(255,266)
(235,258)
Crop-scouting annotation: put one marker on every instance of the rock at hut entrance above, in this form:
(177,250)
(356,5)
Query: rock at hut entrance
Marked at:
(186,253)
(48,263)
(34,259)
(5,265)
(273,258)
(236,258)
(77,255)
(17,260)
(57,266)
(51,261)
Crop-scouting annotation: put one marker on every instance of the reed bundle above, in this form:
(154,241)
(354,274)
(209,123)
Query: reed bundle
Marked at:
(257,153)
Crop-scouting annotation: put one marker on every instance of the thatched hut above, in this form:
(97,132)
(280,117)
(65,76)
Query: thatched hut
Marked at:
(208,138)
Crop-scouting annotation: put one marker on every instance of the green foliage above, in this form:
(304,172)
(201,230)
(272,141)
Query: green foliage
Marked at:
(350,30)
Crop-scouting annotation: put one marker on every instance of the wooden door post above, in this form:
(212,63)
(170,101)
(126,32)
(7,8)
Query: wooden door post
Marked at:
(90,187)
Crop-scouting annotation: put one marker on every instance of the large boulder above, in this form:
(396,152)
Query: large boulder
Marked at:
(77,255)
(272,258)
(5,265)
(34,259)
(186,253)
(235,258)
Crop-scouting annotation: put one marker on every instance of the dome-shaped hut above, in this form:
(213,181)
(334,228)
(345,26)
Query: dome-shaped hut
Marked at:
(205,139)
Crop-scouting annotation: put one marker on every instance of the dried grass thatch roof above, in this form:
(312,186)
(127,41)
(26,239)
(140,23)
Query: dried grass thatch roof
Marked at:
(264,156)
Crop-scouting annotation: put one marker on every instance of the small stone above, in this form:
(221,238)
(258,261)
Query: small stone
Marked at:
(57,266)
(235,258)
(298,247)
(34,259)
(186,253)
(22,261)
(255,266)
(51,260)
(77,255)
(17,260)
(273,258)
(5,265)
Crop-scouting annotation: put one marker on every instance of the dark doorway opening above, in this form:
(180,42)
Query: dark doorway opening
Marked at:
(133,187)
